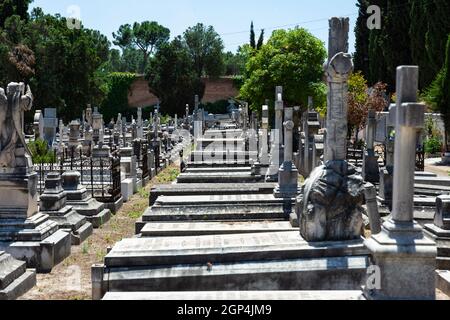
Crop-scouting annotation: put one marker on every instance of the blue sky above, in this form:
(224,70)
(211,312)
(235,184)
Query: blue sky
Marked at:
(230,18)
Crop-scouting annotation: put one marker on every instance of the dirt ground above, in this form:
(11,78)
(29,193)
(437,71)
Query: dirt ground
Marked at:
(71,279)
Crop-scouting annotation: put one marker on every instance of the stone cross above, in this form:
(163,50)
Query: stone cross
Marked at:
(338,70)
(405,257)
(410,117)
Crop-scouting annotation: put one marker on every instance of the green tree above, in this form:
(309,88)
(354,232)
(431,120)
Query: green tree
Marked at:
(293,59)
(118,89)
(9,8)
(173,77)
(205,49)
(147,37)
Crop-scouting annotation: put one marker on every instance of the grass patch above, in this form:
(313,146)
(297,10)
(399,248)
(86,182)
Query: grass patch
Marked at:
(168,175)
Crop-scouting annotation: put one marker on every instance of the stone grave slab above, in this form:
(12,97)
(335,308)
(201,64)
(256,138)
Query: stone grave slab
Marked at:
(182,229)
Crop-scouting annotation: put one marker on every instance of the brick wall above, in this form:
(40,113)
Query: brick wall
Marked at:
(216,89)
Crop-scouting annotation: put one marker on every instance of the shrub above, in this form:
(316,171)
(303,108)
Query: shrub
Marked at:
(433,145)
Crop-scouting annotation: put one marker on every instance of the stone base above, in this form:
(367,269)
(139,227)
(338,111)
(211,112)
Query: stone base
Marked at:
(442,239)
(114,207)
(443,281)
(127,187)
(261,261)
(72,222)
(407,261)
(41,255)
(15,279)
(287,187)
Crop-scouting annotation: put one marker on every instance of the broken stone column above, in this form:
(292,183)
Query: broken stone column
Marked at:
(287,187)
(371,169)
(405,257)
(330,205)
(276,150)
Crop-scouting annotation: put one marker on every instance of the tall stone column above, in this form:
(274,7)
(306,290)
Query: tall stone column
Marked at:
(287,187)
(276,150)
(405,257)
(330,204)
(338,70)
(371,169)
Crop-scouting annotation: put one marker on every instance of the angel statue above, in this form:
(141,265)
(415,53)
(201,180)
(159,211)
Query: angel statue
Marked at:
(12,107)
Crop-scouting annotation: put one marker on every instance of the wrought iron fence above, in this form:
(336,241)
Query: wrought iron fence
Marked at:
(100,175)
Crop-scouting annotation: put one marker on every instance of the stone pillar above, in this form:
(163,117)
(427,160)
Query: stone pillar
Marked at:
(287,187)
(338,70)
(405,257)
(276,150)
(371,169)
(440,231)
(328,213)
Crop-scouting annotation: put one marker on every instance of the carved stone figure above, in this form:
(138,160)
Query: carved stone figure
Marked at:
(12,106)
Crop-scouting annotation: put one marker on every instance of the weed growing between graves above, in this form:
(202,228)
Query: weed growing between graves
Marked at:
(55,286)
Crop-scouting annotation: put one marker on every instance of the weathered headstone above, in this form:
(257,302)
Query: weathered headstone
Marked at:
(405,257)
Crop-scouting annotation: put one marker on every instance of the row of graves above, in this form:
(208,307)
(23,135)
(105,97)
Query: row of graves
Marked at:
(47,208)
(238,225)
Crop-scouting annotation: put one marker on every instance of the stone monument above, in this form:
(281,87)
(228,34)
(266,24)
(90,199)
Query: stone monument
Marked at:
(24,233)
(330,205)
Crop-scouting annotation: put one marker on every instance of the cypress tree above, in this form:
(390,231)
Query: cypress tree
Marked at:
(252,36)
(438,17)
(417,32)
(362,34)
